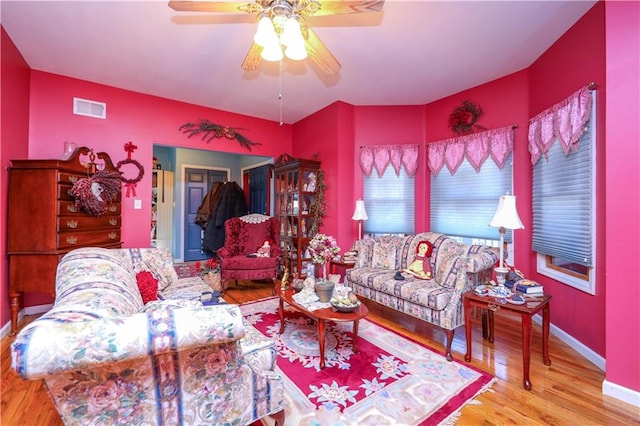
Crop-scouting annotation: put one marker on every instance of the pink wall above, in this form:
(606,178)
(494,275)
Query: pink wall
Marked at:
(581,50)
(329,134)
(14,134)
(623,197)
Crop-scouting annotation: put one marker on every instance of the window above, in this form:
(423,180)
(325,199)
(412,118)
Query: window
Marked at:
(463,204)
(564,211)
(390,203)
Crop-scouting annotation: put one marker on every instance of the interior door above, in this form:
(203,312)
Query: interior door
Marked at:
(197,184)
(259,185)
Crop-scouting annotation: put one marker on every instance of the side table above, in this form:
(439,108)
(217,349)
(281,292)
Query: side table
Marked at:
(526,311)
(335,265)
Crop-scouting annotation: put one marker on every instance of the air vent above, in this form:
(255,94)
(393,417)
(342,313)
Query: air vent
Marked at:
(89,108)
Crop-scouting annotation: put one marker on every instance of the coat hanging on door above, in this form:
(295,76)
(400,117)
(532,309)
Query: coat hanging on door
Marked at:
(208,203)
(231,202)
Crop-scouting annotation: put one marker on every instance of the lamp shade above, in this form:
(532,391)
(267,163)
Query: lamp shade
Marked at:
(360,213)
(506,215)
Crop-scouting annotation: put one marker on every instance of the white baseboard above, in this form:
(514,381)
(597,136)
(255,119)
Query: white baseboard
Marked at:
(576,345)
(620,392)
(30,310)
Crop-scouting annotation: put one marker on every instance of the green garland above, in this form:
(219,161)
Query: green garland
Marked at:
(212,131)
(317,209)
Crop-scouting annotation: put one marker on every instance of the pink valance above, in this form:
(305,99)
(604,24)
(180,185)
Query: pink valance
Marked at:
(380,156)
(476,148)
(564,121)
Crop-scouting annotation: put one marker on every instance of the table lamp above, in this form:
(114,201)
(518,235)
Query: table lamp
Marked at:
(360,214)
(506,217)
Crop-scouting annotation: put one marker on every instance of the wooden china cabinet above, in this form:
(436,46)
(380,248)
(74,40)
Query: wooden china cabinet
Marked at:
(44,222)
(295,194)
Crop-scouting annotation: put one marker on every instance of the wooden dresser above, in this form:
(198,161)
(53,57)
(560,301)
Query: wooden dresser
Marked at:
(44,223)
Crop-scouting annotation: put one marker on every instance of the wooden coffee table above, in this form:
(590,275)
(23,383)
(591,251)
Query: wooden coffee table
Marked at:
(321,316)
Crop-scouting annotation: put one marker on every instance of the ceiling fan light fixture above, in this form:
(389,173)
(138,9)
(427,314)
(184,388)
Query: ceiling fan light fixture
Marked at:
(272,52)
(266,33)
(297,52)
(291,33)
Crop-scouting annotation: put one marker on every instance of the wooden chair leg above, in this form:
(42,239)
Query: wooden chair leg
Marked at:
(278,417)
(450,334)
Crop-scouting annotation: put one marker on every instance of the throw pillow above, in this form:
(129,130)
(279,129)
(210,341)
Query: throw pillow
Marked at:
(148,286)
(384,255)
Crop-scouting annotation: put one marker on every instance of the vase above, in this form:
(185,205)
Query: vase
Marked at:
(324,290)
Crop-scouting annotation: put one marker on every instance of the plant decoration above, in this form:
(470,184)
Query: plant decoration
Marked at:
(92,194)
(463,119)
(130,184)
(317,209)
(215,131)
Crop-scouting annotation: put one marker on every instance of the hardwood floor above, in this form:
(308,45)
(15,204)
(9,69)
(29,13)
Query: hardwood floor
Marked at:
(568,392)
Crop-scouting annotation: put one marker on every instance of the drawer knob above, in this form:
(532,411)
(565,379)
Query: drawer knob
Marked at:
(72,240)
(113,222)
(72,224)
(73,179)
(71,208)
(113,208)
(112,235)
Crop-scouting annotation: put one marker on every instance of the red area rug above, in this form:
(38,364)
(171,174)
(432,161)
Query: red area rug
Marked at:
(391,381)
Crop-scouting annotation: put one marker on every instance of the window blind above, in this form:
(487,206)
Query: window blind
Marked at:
(390,203)
(563,194)
(464,204)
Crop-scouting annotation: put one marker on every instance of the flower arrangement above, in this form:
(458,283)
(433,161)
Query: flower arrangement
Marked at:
(211,265)
(323,248)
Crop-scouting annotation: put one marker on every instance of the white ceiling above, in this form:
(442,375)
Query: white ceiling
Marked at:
(411,53)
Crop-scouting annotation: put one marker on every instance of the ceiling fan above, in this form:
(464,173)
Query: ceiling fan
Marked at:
(281,24)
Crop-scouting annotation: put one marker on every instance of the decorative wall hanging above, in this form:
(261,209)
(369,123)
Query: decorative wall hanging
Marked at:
(564,121)
(215,131)
(92,194)
(130,184)
(381,156)
(463,119)
(476,148)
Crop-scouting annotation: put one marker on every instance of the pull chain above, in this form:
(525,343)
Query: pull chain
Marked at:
(280,91)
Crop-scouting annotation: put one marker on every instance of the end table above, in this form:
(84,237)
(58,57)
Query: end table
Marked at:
(527,311)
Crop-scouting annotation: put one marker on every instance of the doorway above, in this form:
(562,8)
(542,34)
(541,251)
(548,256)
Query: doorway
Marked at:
(197,184)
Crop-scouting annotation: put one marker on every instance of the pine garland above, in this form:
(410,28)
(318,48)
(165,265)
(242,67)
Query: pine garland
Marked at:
(212,131)
(317,209)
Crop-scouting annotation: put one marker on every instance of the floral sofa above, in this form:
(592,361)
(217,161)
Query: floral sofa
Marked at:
(108,359)
(456,267)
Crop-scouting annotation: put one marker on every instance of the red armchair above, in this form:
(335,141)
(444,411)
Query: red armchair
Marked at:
(244,236)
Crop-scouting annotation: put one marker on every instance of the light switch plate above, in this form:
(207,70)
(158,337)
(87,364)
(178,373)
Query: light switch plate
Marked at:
(137,204)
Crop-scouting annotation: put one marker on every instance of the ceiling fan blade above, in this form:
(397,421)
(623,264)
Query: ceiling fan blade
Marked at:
(320,55)
(338,7)
(207,6)
(252,60)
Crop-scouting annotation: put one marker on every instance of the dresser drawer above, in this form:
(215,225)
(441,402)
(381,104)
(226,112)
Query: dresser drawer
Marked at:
(101,238)
(87,223)
(68,208)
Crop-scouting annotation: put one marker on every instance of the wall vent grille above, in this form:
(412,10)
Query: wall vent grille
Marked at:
(89,108)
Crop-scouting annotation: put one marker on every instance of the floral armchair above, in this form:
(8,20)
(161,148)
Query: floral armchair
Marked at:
(244,237)
(107,358)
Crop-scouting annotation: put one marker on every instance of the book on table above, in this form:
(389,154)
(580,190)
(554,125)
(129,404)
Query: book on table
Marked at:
(525,286)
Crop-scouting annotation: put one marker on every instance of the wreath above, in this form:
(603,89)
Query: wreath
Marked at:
(463,119)
(92,194)
(131,183)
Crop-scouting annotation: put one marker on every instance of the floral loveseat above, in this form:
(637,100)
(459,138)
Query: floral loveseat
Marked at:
(108,359)
(457,268)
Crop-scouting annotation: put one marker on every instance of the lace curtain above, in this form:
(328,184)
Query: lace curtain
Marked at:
(564,121)
(476,148)
(380,156)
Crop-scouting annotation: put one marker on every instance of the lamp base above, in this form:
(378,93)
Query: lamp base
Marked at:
(501,277)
